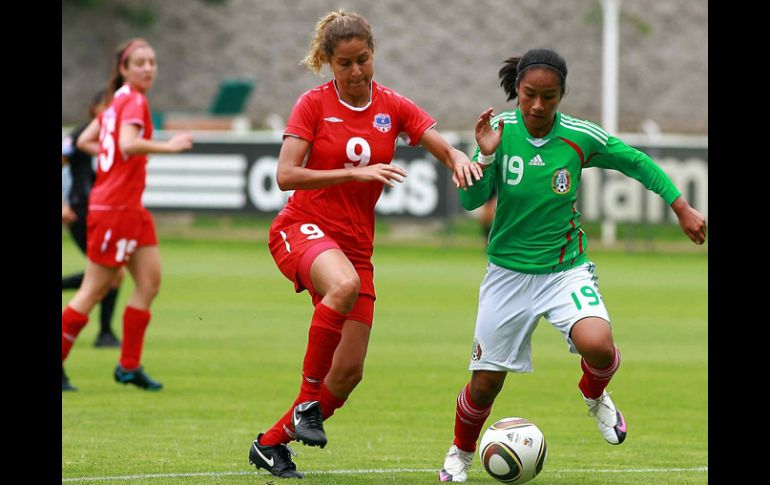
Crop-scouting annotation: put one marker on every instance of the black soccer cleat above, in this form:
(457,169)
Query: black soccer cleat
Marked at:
(65,382)
(136,377)
(309,423)
(106,339)
(275,459)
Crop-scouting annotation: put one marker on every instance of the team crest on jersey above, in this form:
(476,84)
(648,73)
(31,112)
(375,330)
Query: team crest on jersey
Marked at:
(382,122)
(476,353)
(561,181)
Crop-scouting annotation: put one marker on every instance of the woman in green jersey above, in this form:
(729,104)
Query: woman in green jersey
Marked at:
(538,267)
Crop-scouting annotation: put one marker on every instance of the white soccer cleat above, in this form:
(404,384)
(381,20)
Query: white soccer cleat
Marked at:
(456,465)
(608,418)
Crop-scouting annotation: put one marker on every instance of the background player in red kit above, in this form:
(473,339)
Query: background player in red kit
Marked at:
(120,231)
(336,154)
(74,210)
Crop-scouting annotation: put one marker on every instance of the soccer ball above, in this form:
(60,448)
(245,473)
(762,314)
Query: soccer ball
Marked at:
(513,450)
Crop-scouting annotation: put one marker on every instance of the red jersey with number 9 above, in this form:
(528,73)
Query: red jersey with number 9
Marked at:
(120,179)
(344,136)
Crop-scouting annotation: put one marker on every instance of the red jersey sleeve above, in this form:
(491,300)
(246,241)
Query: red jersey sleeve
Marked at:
(133,111)
(413,121)
(304,118)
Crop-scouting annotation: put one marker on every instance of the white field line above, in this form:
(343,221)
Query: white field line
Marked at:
(377,471)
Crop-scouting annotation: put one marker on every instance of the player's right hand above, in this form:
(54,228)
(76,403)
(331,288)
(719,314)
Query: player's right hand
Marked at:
(487,138)
(385,173)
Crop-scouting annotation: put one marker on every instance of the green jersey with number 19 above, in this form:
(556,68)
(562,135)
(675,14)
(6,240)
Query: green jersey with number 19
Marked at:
(537,226)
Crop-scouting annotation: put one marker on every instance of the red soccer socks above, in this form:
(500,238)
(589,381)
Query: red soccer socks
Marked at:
(468,420)
(72,322)
(323,337)
(135,323)
(594,381)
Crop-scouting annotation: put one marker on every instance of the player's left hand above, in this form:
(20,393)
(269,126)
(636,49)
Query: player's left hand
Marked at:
(487,138)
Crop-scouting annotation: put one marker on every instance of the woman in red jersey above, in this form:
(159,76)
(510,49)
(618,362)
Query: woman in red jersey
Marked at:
(336,155)
(74,210)
(120,231)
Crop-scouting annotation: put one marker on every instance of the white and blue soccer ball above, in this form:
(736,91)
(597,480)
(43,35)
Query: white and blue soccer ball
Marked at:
(513,450)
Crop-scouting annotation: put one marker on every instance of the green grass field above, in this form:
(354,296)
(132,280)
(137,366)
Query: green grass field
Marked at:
(228,334)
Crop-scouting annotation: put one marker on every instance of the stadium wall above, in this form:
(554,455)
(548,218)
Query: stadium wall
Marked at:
(443,54)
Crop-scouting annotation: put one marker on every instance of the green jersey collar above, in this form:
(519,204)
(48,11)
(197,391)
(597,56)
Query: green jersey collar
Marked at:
(537,142)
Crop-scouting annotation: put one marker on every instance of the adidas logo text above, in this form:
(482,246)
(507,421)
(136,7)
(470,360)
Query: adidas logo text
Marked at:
(537,161)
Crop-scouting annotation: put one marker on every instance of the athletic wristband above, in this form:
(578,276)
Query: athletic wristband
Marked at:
(485,160)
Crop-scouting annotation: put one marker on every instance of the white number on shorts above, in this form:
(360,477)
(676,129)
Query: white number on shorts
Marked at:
(108,143)
(125,248)
(286,242)
(352,148)
(312,231)
(513,167)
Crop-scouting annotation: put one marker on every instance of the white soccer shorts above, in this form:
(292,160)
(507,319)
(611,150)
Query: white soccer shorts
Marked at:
(510,307)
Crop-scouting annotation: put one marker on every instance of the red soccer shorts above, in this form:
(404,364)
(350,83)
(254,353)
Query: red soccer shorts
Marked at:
(114,235)
(295,245)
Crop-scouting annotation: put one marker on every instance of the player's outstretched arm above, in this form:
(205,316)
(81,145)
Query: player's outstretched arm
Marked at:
(691,221)
(463,171)
(132,143)
(291,175)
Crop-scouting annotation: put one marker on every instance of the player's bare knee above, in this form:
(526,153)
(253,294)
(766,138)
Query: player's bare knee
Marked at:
(600,354)
(344,292)
(350,287)
(149,289)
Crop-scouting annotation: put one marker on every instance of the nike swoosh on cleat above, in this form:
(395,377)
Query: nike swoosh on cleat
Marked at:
(269,462)
(621,426)
(306,405)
